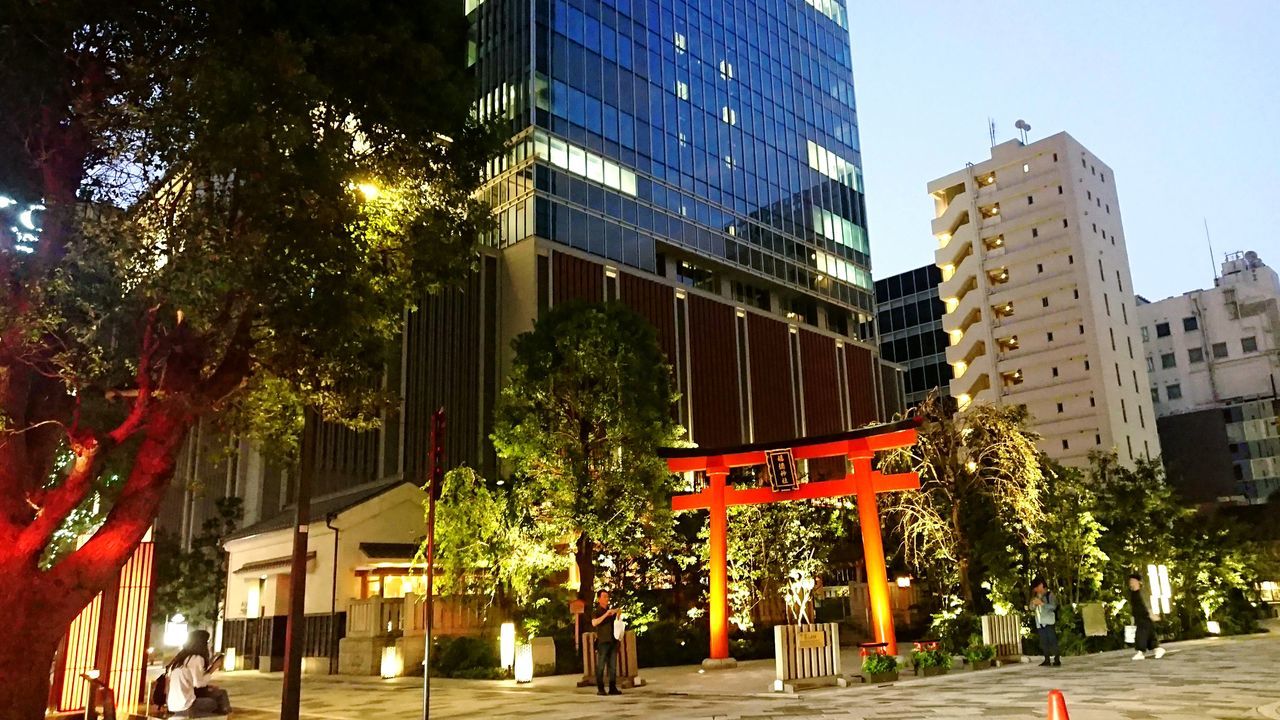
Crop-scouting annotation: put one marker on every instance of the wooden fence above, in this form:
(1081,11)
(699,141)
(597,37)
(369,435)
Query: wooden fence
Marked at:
(628,664)
(1004,633)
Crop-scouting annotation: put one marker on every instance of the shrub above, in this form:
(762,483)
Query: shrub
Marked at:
(879,664)
(979,653)
(931,659)
(957,631)
(466,657)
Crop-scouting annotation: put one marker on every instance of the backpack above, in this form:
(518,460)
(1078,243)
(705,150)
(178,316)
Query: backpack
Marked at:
(160,692)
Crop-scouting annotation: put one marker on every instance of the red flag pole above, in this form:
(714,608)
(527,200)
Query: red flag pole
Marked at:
(435,482)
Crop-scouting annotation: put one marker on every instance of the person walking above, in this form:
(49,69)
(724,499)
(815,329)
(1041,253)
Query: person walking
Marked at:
(1144,639)
(1045,607)
(606,643)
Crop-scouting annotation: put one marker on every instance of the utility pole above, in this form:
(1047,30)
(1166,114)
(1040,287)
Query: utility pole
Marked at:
(291,696)
(435,483)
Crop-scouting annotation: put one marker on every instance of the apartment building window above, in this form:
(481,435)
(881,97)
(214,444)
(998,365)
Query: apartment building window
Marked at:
(1044,302)
(1119,382)
(1103,176)
(1055,157)
(1055,372)
(1088,194)
(1086,365)
(1167,360)
(1095,228)
(1107,302)
(1082,329)
(1035,232)
(1195,355)
(1129,341)
(1190,323)
(1059,408)
(1129,441)
(1219,350)
(1071,259)
(1108,208)
(1075,293)
(1151,365)
(1174,392)
(1031,200)
(1249,344)
(1146,335)
(1083,163)
(1124,313)
(1039,267)
(1155,394)
(1064,222)
(1142,418)
(1135,380)
(1124,412)
(1050,336)
(1112,332)
(1119,282)
(1102,275)
(1162,330)
(1092,402)
(1059,189)
(1097,439)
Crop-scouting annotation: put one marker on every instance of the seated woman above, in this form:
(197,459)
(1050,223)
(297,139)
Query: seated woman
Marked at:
(189,691)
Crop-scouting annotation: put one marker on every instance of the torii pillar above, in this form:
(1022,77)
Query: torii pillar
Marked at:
(859,448)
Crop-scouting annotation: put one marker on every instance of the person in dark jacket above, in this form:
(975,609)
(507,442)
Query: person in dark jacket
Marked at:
(606,644)
(1144,620)
(1045,608)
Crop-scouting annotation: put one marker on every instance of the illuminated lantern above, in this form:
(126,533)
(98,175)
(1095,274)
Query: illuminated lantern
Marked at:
(392,665)
(524,664)
(507,644)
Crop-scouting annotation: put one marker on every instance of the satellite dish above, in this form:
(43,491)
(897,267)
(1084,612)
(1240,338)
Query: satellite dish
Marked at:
(1022,125)
(1251,255)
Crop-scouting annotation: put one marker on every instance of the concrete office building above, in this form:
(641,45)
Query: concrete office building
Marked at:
(1035,280)
(911,334)
(1214,360)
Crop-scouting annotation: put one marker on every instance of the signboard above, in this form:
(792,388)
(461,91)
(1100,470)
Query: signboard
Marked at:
(782,470)
(811,640)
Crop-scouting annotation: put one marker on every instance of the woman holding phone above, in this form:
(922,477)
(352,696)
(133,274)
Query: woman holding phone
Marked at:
(189,692)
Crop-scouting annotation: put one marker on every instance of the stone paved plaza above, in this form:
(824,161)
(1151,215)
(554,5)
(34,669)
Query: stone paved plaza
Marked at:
(1220,679)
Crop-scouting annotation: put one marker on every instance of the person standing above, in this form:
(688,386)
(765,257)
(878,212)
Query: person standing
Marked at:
(606,643)
(1144,621)
(1045,607)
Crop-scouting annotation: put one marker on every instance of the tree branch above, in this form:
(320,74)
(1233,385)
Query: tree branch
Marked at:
(61,500)
(146,359)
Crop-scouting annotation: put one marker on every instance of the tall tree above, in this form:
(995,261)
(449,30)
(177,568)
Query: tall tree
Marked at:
(980,477)
(231,189)
(487,545)
(588,402)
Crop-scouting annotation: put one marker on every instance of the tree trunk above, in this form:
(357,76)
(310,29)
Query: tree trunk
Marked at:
(585,556)
(34,624)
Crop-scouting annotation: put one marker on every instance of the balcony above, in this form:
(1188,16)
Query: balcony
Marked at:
(1011,378)
(998,276)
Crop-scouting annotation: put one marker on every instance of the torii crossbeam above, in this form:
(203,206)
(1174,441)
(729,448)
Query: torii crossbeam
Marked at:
(858,447)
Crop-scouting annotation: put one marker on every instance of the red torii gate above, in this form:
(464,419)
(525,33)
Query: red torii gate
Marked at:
(858,446)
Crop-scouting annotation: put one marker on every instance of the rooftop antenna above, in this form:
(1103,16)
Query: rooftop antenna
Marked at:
(1023,128)
(1213,257)
(991,130)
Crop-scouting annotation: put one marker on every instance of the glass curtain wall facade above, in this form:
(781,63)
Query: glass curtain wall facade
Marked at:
(664,133)
(911,333)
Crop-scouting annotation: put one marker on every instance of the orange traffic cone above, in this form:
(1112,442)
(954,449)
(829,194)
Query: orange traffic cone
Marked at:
(1057,706)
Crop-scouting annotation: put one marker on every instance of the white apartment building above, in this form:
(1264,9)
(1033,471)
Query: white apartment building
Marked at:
(1214,360)
(1039,299)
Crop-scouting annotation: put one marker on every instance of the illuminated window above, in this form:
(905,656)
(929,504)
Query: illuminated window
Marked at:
(726,69)
(729,115)
(834,166)
(682,90)
(585,164)
(682,43)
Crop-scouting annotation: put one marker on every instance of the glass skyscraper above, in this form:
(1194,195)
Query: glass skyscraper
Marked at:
(711,142)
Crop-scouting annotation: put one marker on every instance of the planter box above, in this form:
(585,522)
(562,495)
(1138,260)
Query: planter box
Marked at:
(980,665)
(931,671)
(876,678)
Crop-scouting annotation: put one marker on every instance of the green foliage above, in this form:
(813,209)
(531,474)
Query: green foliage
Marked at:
(980,497)
(879,664)
(587,404)
(484,546)
(979,653)
(956,629)
(1069,554)
(466,657)
(190,581)
(921,659)
(766,543)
